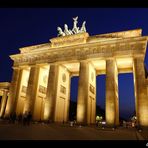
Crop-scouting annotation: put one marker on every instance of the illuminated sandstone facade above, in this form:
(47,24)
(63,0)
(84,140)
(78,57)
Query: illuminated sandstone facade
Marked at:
(4,92)
(42,75)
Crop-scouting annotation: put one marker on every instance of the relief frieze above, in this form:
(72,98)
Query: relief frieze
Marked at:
(81,53)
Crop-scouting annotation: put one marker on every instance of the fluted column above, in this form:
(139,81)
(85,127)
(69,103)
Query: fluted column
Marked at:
(141,97)
(86,102)
(12,92)
(63,95)
(3,102)
(49,110)
(112,104)
(58,93)
(68,99)
(18,90)
(31,93)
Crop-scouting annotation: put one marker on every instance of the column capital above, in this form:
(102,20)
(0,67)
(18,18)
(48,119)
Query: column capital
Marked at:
(139,57)
(110,58)
(34,65)
(42,64)
(84,61)
(55,63)
(24,67)
(16,67)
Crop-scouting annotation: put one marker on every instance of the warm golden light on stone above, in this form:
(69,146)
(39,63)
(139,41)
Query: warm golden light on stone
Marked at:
(112,105)
(110,114)
(21,92)
(46,111)
(143,118)
(42,76)
(39,102)
(80,113)
(4,92)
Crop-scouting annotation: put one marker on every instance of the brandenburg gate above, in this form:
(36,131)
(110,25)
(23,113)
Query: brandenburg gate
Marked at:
(42,75)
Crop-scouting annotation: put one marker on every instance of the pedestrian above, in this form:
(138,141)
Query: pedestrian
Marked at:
(25,118)
(10,117)
(96,123)
(13,117)
(29,117)
(20,118)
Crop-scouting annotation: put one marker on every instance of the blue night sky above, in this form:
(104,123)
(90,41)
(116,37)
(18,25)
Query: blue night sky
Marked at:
(21,27)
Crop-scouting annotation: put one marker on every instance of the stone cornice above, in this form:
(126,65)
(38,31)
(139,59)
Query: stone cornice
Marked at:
(112,42)
(81,38)
(4,85)
(132,46)
(121,34)
(35,47)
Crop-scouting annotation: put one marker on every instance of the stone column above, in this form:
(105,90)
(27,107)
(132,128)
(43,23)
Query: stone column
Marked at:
(68,99)
(112,104)
(63,95)
(49,111)
(18,90)
(141,98)
(86,102)
(12,92)
(57,99)
(32,89)
(3,102)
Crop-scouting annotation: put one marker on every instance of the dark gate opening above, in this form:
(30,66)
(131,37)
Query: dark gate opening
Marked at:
(73,98)
(100,95)
(126,96)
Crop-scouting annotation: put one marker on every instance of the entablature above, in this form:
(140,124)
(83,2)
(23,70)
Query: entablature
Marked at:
(4,85)
(89,50)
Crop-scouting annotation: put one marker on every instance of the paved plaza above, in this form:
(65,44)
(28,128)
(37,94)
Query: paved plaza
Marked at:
(52,131)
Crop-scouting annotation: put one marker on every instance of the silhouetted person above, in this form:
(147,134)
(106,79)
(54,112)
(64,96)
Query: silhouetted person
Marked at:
(10,117)
(25,118)
(96,123)
(13,117)
(20,118)
(29,117)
